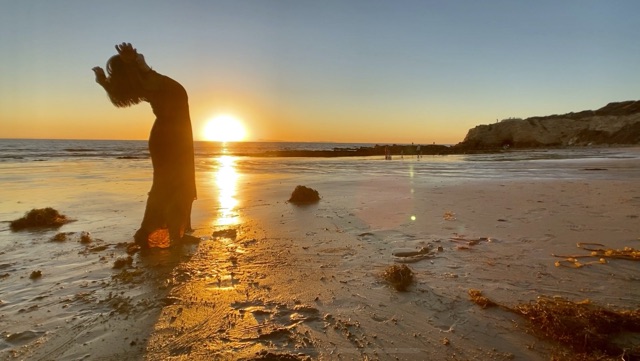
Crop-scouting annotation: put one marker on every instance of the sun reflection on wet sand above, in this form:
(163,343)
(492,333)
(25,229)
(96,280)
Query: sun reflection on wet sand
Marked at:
(226,182)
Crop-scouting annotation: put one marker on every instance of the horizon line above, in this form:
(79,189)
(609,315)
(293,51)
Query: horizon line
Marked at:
(240,141)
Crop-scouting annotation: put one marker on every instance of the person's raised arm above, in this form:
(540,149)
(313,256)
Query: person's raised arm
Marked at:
(101,78)
(127,52)
(130,55)
(100,75)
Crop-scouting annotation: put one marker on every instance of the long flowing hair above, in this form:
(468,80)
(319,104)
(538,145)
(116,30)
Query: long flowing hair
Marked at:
(124,83)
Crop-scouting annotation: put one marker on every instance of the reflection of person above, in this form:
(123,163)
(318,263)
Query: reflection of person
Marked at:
(131,81)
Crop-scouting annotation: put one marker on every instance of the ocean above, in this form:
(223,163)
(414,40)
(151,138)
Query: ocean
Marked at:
(542,163)
(47,149)
(69,173)
(63,173)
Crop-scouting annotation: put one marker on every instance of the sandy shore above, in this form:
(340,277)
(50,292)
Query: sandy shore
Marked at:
(271,279)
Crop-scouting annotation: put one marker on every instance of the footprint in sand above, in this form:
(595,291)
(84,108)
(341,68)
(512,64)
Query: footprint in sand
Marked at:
(409,255)
(273,321)
(367,237)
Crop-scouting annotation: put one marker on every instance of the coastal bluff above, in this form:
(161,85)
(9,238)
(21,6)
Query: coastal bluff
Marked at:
(616,123)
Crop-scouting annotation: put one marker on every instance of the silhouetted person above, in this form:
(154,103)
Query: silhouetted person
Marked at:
(173,191)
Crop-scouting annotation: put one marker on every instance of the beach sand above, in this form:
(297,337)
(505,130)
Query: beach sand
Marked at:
(272,280)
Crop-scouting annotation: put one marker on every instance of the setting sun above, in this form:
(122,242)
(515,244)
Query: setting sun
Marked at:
(224,128)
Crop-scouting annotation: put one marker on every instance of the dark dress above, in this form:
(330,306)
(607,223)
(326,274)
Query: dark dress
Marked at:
(168,211)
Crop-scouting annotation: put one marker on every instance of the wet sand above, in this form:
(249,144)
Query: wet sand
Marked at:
(271,279)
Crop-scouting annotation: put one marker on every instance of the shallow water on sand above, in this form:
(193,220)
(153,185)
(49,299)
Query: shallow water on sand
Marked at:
(370,199)
(556,164)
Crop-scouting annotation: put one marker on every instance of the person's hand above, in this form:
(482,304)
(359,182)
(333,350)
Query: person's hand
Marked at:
(100,76)
(127,52)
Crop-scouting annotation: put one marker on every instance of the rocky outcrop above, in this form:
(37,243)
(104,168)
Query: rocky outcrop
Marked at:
(394,149)
(615,123)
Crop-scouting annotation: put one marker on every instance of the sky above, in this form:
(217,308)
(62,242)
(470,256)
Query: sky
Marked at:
(366,71)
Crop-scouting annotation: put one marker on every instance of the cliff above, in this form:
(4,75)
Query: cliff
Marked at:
(615,123)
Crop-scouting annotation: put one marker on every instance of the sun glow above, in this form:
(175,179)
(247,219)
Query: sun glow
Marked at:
(226,180)
(224,128)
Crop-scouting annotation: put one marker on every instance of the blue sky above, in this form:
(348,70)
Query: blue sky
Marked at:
(350,71)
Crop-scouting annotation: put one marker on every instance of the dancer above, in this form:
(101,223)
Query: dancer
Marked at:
(130,81)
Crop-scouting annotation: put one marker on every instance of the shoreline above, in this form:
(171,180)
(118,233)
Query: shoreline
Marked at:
(410,150)
(132,150)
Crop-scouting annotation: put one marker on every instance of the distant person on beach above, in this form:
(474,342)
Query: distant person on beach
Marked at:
(130,81)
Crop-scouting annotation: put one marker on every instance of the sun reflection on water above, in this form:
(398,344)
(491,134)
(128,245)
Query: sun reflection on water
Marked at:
(226,182)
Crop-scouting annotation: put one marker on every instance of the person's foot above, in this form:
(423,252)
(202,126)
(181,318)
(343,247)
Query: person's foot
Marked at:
(187,238)
(133,248)
(141,238)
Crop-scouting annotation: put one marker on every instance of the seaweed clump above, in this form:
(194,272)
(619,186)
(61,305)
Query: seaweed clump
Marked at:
(304,195)
(39,218)
(399,276)
(35,274)
(572,261)
(270,356)
(123,262)
(85,237)
(589,330)
(480,300)
(60,237)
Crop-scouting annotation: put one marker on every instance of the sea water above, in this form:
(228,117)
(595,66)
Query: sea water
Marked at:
(33,163)
(36,173)
(46,149)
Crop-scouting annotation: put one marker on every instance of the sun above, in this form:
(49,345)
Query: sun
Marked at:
(224,128)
